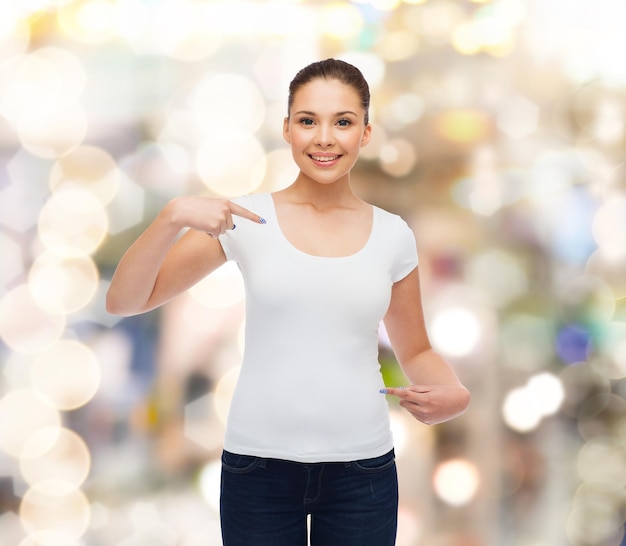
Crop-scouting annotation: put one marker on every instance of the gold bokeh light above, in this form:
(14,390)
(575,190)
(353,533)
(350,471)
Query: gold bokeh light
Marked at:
(23,412)
(55,505)
(72,223)
(67,374)
(87,167)
(55,454)
(63,285)
(24,325)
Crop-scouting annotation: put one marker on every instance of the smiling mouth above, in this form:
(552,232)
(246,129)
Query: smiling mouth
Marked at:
(324,158)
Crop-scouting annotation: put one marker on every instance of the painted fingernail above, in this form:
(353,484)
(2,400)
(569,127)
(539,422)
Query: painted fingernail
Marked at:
(262,220)
(234,226)
(383,391)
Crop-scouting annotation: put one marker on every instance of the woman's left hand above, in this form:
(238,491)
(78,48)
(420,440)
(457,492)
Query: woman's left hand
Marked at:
(432,404)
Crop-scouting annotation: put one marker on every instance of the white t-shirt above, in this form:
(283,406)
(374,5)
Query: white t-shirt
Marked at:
(308,390)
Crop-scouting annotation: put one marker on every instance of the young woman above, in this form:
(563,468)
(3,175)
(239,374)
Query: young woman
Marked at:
(308,430)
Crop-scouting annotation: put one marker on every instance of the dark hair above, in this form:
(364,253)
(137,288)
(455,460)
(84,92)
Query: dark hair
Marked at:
(332,69)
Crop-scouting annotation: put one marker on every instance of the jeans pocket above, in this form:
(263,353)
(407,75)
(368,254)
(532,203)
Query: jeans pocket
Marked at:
(239,464)
(376,464)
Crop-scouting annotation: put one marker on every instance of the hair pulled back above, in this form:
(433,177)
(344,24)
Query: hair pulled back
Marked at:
(332,69)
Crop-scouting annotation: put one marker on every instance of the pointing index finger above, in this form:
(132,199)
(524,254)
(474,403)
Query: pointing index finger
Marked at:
(238,210)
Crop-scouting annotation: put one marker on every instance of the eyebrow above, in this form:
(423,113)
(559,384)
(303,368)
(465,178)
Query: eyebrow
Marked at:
(308,113)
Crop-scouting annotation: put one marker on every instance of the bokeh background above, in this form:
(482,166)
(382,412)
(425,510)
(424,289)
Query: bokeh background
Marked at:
(499,135)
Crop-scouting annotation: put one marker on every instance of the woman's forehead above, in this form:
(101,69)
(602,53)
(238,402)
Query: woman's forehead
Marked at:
(322,92)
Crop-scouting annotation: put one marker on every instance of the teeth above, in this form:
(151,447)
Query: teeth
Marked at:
(325,158)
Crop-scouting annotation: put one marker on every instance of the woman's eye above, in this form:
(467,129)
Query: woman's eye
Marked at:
(306,121)
(344,122)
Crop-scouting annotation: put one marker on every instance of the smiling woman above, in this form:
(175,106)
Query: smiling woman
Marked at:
(322,269)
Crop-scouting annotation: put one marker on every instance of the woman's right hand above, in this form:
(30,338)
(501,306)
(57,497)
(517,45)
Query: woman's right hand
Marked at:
(211,215)
(159,265)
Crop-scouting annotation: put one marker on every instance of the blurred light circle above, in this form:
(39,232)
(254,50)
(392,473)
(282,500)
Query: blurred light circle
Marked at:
(210,477)
(399,431)
(463,126)
(55,454)
(63,285)
(224,390)
(398,157)
(599,112)
(586,300)
(456,481)
(466,39)
(601,416)
(455,331)
(55,505)
(241,337)
(341,20)
(601,462)
(24,325)
(394,46)
(50,136)
(23,412)
(88,21)
(178,28)
(71,73)
(410,526)
(281,170)
(29,88)
(50,538)
(72,223)
(518,117)
(226,106)
(67,374)
(385,5)
(596,521)
(221,289)
(609,227)
(499,275)
(12,264)
(573,343)
(371,66)
(14,34)
(405,109)
(89,168)
(548,391)
(580,382)
(377,141)
(149,166)
(232,167)
(127,208)
(612,348)
(594,406)
(521,410)
(610,269)
(40,89)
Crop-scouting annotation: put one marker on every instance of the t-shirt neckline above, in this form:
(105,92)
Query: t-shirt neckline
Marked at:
(288,243)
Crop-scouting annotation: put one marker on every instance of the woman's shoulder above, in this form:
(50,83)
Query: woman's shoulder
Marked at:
(390,218)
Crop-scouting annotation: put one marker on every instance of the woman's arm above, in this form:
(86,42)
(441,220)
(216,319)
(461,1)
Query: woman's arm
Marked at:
(158,266)
(436,393)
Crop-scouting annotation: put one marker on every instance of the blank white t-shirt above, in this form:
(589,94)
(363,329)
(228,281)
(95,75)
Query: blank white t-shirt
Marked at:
(308,389)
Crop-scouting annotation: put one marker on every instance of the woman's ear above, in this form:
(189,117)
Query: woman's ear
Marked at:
(286,134)
(367,135)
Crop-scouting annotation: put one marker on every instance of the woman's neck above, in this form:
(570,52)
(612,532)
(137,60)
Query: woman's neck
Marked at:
(321,196)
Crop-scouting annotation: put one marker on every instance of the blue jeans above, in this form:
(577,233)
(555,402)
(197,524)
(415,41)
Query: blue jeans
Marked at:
(265,502)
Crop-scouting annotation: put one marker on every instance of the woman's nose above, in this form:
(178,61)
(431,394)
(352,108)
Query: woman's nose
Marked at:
(324,136)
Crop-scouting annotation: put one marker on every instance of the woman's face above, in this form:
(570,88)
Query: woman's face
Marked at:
(326,129)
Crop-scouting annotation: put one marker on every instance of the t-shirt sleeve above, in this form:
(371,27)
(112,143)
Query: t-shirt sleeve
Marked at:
(405,255)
